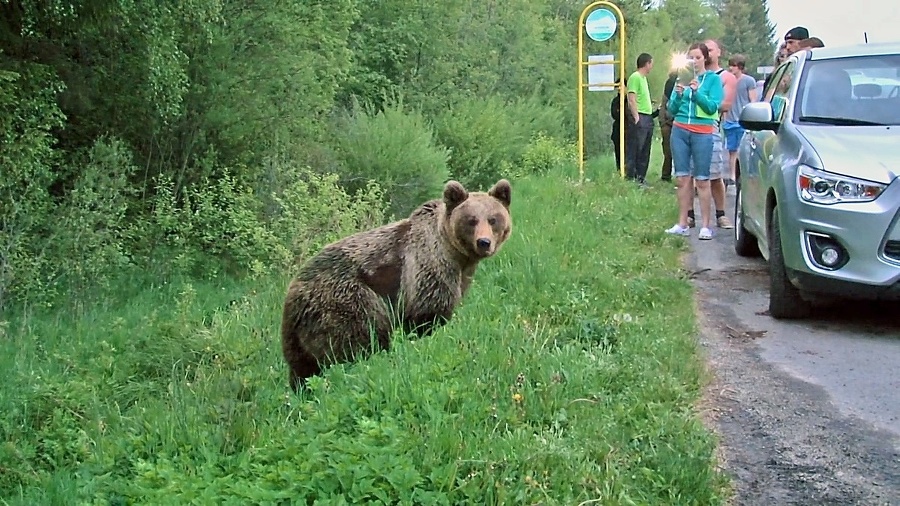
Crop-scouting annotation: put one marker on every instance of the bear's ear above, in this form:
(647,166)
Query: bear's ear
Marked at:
(454,195)
(501,191)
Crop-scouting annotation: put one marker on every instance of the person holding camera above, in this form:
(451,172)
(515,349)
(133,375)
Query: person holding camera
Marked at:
(695,108)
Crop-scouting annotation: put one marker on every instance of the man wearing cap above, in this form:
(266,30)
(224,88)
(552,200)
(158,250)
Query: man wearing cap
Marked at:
(791,44)
(793,37)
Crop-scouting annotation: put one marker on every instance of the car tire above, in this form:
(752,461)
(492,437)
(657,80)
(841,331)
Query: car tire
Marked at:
(745,244)
(785,301)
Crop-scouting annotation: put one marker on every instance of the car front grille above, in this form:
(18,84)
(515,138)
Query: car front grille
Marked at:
(892,250)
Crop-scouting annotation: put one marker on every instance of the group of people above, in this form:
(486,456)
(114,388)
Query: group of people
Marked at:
(699,123)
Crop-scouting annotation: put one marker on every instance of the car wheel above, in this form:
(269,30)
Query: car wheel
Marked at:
(745,244)
(785,301)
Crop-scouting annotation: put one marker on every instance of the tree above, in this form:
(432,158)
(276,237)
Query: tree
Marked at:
(692,21)
(748,31)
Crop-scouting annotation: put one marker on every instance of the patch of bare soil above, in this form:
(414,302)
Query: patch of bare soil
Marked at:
(781,440)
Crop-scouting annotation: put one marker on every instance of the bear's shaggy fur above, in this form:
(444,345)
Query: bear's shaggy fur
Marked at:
(419,268)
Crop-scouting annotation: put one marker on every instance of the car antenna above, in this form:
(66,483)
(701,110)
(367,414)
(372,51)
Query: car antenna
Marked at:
(866,37)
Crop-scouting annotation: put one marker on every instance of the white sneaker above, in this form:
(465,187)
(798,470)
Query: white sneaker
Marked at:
(679,230)
(705,234)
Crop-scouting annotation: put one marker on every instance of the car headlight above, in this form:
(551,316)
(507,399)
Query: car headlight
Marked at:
(824,188)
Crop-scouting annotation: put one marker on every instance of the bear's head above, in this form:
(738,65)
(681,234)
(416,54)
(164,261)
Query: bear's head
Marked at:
(477,223)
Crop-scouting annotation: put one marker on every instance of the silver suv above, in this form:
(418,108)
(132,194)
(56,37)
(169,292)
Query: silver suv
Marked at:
(818,193)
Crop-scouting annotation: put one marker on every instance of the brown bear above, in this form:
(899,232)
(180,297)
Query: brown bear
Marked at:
(412,273)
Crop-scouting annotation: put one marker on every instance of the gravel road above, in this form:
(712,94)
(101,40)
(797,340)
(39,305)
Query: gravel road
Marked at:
(808,413)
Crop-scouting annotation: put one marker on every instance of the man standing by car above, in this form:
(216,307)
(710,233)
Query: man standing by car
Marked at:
(719,167)
(745,93)
(792,40)
(637,146)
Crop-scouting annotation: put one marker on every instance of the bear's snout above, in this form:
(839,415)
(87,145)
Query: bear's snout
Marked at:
(484,244)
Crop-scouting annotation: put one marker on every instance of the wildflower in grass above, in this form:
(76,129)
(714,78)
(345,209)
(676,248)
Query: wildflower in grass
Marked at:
(623,318)
(517,397)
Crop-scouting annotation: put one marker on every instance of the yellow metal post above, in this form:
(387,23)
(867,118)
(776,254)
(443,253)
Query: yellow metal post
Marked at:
(582,85)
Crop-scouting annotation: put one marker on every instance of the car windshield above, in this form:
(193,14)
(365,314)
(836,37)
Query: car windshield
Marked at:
(855,91)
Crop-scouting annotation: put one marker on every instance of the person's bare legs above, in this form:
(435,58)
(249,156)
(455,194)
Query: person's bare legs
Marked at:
(703,191)
(685,198)
(717,188)
(732,163)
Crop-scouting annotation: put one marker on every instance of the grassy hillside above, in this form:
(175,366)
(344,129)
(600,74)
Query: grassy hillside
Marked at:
(569,375)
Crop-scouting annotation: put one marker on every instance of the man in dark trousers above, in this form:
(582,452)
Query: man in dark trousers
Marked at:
(665,126)
(614,113)
(637,145)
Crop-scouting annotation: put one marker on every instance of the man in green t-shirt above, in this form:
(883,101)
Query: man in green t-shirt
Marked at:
(637,145)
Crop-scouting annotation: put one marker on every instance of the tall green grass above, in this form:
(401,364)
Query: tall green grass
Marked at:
(568,375)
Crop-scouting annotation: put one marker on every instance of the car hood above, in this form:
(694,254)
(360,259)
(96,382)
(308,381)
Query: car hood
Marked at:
(865,152)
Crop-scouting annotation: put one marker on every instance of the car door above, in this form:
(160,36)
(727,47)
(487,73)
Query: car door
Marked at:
(759,149)
(777,151)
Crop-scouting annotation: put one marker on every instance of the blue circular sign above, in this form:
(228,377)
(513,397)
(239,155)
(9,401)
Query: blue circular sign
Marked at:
(601,24)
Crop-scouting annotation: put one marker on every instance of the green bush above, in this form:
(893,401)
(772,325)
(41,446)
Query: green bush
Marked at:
(223,223)
(489,137)
(545,154)
(313,210)
(395,148)
(27,171)
(89,241)
(484,140)
(219,217)
(534,116)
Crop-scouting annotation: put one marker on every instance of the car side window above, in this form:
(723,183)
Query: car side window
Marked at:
(779,89)
(769,90)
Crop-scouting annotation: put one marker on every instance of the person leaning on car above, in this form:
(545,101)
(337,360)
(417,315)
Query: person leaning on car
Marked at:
(792,41)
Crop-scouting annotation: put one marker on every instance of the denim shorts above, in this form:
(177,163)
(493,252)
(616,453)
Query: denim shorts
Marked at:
(733,138)
(691,153)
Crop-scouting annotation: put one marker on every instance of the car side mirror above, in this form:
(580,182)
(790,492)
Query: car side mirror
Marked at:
(758,116)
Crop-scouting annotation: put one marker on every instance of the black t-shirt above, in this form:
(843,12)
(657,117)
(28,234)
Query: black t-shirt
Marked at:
(664,117)
(669,87)
(614,108)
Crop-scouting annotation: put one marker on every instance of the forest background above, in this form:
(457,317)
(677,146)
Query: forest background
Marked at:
(142,140)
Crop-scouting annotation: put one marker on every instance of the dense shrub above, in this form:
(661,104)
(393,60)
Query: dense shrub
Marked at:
(488,137)
(545,154)
(313,210)
(90,238)
(27,171)
(223,223)
(483,139)
(394,147)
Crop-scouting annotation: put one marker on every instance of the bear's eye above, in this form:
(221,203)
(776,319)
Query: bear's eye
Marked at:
(473,221)
(492,221)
